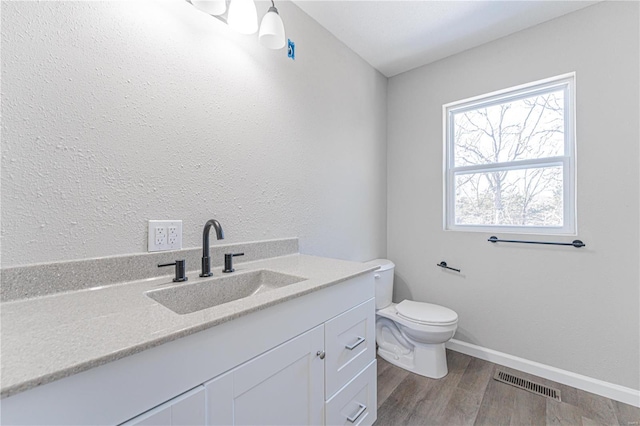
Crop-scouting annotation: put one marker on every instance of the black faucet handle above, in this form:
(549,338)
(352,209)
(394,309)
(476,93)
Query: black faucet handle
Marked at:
(228,261)
(180,265)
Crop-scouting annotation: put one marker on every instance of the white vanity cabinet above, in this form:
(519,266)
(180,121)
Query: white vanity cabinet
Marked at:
(284,386)
(350,345)
(187,409)
(328,372)
(350,368)
(356,403)
(306,360)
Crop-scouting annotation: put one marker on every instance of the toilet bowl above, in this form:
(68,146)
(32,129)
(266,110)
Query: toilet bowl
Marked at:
(409,334)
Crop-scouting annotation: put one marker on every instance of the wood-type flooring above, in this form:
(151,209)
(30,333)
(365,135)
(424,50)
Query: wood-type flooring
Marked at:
(469,395)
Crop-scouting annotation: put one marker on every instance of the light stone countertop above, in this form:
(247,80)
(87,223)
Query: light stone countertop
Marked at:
(51,337)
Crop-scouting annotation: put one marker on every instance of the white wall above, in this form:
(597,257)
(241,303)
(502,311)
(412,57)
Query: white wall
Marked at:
(573,309)
(114,113)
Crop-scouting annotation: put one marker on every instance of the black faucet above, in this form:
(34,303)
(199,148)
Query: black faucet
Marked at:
(206,260)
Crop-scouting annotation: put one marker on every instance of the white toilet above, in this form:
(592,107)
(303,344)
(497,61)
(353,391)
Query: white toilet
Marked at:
(411,334)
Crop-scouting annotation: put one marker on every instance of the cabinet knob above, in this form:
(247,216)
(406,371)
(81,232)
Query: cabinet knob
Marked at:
(320,354)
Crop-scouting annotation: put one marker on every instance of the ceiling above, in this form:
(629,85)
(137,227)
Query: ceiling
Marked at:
(395,36)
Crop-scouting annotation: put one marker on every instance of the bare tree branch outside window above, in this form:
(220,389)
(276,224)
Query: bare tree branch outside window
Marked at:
(505,134)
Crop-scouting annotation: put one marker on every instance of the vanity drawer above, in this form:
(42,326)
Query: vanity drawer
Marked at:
(350,345)
(356,403)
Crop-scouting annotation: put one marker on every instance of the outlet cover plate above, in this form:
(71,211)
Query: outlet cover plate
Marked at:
(164,235)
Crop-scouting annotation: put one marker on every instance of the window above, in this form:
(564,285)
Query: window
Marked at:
(509,163)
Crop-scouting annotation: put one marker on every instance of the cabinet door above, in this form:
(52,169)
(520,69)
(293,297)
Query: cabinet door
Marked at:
(350,345)
(284,386)
(185,410)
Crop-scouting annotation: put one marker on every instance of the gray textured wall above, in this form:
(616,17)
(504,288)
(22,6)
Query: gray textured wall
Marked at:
(114,113)
(577,310)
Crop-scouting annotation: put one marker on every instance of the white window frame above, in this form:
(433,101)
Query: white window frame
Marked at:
(567,161)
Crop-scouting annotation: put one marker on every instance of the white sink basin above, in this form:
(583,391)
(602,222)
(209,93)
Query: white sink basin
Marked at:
(195,296)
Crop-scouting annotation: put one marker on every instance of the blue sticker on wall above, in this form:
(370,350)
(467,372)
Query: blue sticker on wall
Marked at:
(291,49)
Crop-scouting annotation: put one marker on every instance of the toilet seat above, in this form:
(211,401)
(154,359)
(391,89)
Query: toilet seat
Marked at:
(426,313)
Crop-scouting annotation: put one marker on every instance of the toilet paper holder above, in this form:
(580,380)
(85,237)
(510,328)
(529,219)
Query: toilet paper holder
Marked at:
(443,264)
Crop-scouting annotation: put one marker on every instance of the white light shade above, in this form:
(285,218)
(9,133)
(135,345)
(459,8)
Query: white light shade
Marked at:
(243,16)
(212,7)
(272,30)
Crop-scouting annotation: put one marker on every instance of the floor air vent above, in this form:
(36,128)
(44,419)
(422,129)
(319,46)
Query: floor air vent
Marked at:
(527,385)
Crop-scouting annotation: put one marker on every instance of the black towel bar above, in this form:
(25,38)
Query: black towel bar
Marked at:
(575,243)
(443,264)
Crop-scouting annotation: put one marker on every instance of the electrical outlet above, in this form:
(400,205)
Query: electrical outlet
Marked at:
(165,235)
(174,236)
(161,235)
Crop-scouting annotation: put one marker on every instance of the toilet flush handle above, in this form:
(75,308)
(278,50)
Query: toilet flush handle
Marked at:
(376,276)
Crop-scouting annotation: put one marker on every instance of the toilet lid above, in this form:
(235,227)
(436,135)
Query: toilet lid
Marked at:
(426,313)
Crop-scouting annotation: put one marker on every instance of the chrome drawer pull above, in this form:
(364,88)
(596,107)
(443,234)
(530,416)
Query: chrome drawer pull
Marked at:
(356,344)
(361,409)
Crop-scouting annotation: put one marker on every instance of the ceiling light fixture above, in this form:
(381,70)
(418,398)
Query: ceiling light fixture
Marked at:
(272,29)
(242,16)
(212,7)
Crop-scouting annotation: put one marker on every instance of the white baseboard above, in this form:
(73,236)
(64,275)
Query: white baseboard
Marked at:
(588,384)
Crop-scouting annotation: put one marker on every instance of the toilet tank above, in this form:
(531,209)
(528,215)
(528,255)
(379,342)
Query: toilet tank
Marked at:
(384,281)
